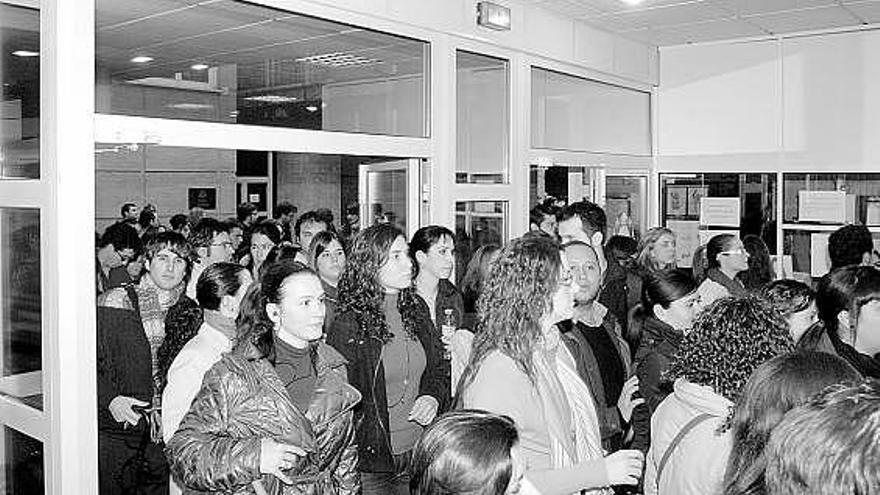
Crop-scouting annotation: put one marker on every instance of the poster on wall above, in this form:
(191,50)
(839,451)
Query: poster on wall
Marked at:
(720,212)
(695,195)
(822,206)
(819,264)
(676,201)
(687,240)
(202,197)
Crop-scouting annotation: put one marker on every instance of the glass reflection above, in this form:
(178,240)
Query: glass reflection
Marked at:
(20,101)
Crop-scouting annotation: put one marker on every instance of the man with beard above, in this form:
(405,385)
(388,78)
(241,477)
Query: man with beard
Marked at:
(596,340)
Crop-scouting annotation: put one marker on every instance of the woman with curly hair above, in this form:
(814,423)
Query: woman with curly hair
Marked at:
(395,356)
(776,387)
(520,367)
(690,438)
(277,410)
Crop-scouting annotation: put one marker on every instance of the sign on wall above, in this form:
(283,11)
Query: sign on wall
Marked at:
(203,197)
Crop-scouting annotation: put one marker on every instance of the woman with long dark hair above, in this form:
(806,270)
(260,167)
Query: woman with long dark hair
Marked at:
(263,237)
(726,257)
(277,408)
(520,367)
(327,258)
(670,303)
(760,271)
(776,387)
(395,356)
(475,275)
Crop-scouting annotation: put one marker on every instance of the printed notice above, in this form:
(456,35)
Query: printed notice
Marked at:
(822,206)
(720,212)
(687,240)
(819,254)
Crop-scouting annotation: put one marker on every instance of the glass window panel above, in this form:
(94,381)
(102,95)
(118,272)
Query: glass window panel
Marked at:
(626,205)
(20,102)
(235,62)
(681,196)
(840,198)
(562,184)
(482,118)
(572,113)
(20,305)
(477,224)
(21,458)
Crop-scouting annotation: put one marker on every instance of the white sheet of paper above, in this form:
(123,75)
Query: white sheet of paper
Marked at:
(705,235)
(819,264)
(687,240)
(720,212)
(822,206)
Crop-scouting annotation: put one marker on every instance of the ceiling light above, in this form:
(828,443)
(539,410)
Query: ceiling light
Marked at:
(272,98)
(190,106)
(312,108)
(199,66)
(632,2)
(25,53)
(338,59)
(142,59)
(493,16)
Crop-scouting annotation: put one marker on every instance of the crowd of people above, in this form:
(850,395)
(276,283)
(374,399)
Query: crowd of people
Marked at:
(289,356)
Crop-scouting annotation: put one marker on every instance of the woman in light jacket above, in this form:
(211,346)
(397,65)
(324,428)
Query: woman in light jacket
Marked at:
(275,415)
(520,367)
(690,441)
(726,257)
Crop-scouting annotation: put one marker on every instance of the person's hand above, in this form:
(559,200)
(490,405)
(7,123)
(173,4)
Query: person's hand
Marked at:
(121,409)
(624,467)
(275,457)
(424,410)
(626,403)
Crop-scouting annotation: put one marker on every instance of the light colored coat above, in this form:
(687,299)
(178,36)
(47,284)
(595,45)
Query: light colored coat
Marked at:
(696,466)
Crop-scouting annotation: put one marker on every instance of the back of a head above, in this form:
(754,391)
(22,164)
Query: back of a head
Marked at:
(829,446)
(202,235)
(122,236)
(218,280)
(178,221)
(846,289)
(592,216)
(788,296)
(283,208)
(245,210)
(464,452)
(776,387)
(665,287)
(848,244)
(541,210)
(729,340)
(760,270)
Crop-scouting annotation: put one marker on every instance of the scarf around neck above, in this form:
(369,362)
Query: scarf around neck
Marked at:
(734,287)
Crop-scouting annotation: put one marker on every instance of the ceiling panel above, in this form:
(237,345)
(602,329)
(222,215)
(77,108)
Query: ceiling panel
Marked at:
(866,11)
(755,7)
(805,20)
(667,15)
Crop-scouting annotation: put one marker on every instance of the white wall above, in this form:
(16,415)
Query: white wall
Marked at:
(807,103)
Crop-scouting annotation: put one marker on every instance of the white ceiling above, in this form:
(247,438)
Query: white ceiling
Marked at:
(675,22)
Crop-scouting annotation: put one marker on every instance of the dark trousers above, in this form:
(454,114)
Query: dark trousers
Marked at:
(122,471)
(394,483)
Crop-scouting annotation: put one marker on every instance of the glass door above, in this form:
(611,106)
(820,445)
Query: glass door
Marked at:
(385,189)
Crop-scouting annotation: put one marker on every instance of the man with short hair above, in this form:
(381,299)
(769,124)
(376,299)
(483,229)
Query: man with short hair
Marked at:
(543,218)
(603,354)
(211,243)
(129,213)
(130,330)
(585,221)
(180,224)
(307,225)
(283,215)
(118,246)
(829,445)
(246,214)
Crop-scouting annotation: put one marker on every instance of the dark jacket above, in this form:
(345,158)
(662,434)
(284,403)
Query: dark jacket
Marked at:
(657,348)
(367,374)
(242,401)
(610,422)
(124,363)
(868,366)
(448,297)
(615,292)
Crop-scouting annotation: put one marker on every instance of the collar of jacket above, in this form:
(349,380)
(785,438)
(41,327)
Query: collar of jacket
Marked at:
(701,398)
(734,287)
(660,331)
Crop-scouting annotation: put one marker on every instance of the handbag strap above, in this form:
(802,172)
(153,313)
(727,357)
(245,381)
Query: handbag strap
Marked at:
(677,440)
(133,297)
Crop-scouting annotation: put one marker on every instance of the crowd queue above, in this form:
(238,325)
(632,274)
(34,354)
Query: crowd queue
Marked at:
(286,356)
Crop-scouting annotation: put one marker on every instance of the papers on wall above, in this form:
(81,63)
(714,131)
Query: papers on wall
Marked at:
(705,235)
(872,213)
(819,264)
(687,240)
(823,206)
(720,212)
(782,265)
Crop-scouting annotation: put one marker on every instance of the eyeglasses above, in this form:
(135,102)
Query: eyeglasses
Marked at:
(739,251)
(227,245)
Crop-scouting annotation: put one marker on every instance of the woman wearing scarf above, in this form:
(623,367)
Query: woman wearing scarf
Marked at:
(727,257)
(520,367)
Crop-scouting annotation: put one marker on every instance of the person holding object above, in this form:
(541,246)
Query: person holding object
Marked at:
(520,367)
(275,415)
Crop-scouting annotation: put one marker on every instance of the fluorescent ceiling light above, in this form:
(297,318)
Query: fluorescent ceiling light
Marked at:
(142,59)
(272,98)
(312,108)
(338,59)
(199,66)
(190,106)
(632,2)
(25,53)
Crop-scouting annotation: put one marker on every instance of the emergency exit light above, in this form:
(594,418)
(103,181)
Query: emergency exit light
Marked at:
(493,16)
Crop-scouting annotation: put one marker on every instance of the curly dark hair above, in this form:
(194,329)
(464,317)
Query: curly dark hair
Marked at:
(729,340)
(518,292)
(182,323)
(359,290)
